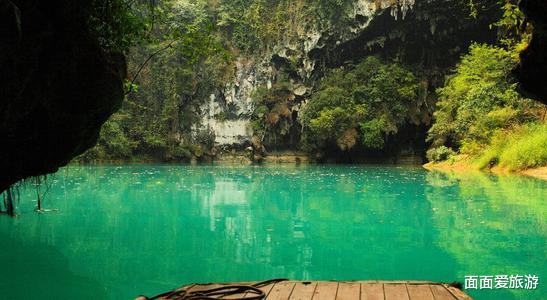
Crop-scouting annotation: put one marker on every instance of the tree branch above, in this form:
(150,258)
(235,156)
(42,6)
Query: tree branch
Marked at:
(144,64)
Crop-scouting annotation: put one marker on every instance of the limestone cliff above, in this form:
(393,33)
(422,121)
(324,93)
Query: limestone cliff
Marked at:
(428,33)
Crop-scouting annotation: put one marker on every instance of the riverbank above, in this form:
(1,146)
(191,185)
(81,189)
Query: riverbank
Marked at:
(463,163)
(271,157)
(284,157)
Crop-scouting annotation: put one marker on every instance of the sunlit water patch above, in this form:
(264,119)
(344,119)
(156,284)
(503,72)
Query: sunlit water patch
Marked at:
(144,229)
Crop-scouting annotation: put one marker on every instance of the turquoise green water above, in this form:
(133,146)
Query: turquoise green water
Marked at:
(123,231)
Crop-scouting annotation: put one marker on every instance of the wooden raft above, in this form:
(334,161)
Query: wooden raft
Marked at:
(344,290)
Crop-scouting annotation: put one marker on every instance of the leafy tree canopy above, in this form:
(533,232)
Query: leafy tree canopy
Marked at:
(362,104)
(480,97)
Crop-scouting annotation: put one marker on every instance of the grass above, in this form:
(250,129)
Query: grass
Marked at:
(521,148)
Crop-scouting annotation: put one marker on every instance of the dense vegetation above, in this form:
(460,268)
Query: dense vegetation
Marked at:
(362,104)
(188,51)
(185,52)
(272,117)
(479,99)
(173,72)
(480,112)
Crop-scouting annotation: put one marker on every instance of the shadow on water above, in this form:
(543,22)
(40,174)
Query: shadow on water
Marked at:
(32,269)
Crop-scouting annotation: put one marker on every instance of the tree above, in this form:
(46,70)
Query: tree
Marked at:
(479,98)
(272,116)
(361,104)
(167,89)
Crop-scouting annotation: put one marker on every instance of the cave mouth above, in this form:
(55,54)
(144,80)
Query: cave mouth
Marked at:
(407,146)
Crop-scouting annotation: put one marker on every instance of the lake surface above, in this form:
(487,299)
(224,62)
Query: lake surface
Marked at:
(144,229)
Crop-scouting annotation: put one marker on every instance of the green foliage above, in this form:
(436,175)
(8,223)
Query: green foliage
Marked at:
(235,18)
(362,104)
(255,25)
(480,112)
(272,116)
(512,24)
(479,98)
(193,43)
(521,148)
(113,143)
(189,61)
(116,23)
(332,10)
(513,28)
(439,154)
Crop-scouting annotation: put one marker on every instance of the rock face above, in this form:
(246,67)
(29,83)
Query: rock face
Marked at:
(57,86)
(533,67)
(292,57)
(429,33)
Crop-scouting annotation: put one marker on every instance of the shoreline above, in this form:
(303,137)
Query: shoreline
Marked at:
(272,157)
(461,165)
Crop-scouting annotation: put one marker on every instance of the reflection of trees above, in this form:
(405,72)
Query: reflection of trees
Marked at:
(490,224)
(339,222)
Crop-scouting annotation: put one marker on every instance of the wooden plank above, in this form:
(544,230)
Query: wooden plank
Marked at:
(403,281)
(281,290)
(372,291)
(440,292)
(348,291)
(325,290)
(193,288)
(395,291)
(459,294)
(419,291)
(238,296)
(266,289)
(303,290)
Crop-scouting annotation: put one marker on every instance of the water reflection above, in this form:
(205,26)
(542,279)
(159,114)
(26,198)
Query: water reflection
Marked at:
(491,224)
(145,229)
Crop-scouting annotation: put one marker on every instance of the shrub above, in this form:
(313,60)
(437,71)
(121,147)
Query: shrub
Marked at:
(523,147)
(362,104)
(439,154)
(479,98)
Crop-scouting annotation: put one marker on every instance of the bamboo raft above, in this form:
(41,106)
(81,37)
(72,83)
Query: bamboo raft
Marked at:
(319,290)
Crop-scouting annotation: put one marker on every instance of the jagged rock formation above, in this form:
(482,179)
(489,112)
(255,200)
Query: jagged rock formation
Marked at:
(57,86)
(533,67)
(429,33)
(294,57)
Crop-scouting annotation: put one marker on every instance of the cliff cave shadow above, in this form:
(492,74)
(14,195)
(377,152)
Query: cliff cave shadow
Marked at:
(21,262)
